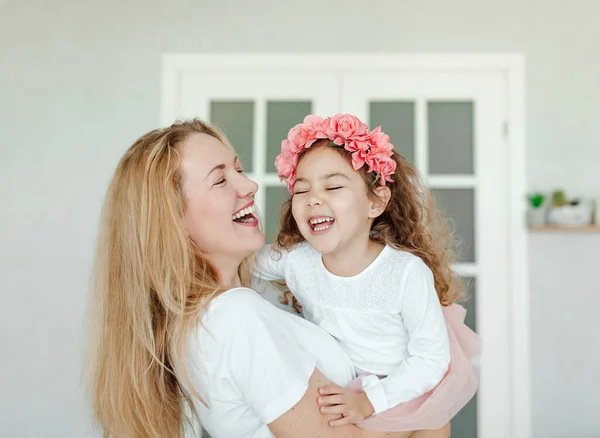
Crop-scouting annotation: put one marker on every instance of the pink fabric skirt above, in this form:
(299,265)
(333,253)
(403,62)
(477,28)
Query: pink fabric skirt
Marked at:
(437,407)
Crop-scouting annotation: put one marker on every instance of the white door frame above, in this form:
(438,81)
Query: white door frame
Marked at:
(512,67)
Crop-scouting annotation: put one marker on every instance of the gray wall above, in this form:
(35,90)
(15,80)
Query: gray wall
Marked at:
(79,81)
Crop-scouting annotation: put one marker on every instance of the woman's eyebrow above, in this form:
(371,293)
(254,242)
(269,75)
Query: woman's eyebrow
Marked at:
(217,167)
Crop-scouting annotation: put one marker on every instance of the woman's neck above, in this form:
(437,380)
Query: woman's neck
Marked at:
(229,276)
(231,281)
(352,260)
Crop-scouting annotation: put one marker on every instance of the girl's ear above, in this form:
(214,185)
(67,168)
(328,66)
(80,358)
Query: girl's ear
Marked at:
(379,204)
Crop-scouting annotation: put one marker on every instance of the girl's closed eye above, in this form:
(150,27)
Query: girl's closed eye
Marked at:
(334,188)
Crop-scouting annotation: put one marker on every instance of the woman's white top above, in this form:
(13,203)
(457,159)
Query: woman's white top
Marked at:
(388,318)
(251,363)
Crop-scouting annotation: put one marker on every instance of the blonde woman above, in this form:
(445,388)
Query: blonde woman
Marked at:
(176,332)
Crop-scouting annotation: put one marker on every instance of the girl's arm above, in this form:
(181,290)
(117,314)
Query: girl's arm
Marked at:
(270,263)
(428,347)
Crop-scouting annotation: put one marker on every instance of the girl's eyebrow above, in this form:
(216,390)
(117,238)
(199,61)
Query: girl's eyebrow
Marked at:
(331,175)
(325,177)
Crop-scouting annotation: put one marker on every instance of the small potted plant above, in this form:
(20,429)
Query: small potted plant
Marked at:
(569,213)
(536,213)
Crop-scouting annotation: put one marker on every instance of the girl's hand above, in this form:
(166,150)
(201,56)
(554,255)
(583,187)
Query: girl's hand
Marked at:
(352,406)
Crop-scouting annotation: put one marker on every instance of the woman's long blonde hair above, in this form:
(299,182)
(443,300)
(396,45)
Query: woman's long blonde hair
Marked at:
(149,286)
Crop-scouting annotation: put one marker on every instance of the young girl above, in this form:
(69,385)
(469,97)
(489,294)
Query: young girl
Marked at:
(367,256)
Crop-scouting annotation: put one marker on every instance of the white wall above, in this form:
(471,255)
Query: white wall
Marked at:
(79,81)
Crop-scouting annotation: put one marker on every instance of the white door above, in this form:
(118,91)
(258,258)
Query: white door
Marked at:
(448,117)
(450,125)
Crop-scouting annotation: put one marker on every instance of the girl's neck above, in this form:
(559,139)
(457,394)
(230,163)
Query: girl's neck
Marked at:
(353,259)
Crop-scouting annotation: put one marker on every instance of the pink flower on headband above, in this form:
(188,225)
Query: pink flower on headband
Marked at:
(286,162)
(367,147)
(342,127)
(385,169)
(302,136)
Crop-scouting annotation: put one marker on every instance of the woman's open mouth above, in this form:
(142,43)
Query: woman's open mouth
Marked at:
(246,216)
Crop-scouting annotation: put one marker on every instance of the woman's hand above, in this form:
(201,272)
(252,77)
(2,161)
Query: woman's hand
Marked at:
(305,419)
(351,406)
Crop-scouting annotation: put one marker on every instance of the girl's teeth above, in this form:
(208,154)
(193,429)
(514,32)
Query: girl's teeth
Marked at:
(320,220)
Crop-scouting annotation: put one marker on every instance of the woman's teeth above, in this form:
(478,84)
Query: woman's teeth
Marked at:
(240,215)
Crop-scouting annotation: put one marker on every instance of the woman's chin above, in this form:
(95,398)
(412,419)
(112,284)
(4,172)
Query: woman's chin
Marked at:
(256,242)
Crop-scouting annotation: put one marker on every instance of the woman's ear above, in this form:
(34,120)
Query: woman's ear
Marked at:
(379,204)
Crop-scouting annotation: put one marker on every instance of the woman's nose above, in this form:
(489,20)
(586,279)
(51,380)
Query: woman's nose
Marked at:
(247,187)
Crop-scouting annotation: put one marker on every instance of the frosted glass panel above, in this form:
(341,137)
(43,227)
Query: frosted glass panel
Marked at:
(459,205)
(470,303)
(450,126)
(464,425)
(276,196)
(397,119)
(236,120)
(281,116)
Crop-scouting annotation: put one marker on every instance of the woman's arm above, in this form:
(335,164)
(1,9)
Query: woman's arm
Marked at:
(258,351)
(304,419)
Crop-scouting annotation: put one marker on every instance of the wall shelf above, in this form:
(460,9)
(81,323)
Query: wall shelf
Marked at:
(563,229)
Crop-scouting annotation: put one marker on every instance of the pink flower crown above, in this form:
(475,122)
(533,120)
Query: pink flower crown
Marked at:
(372,148)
